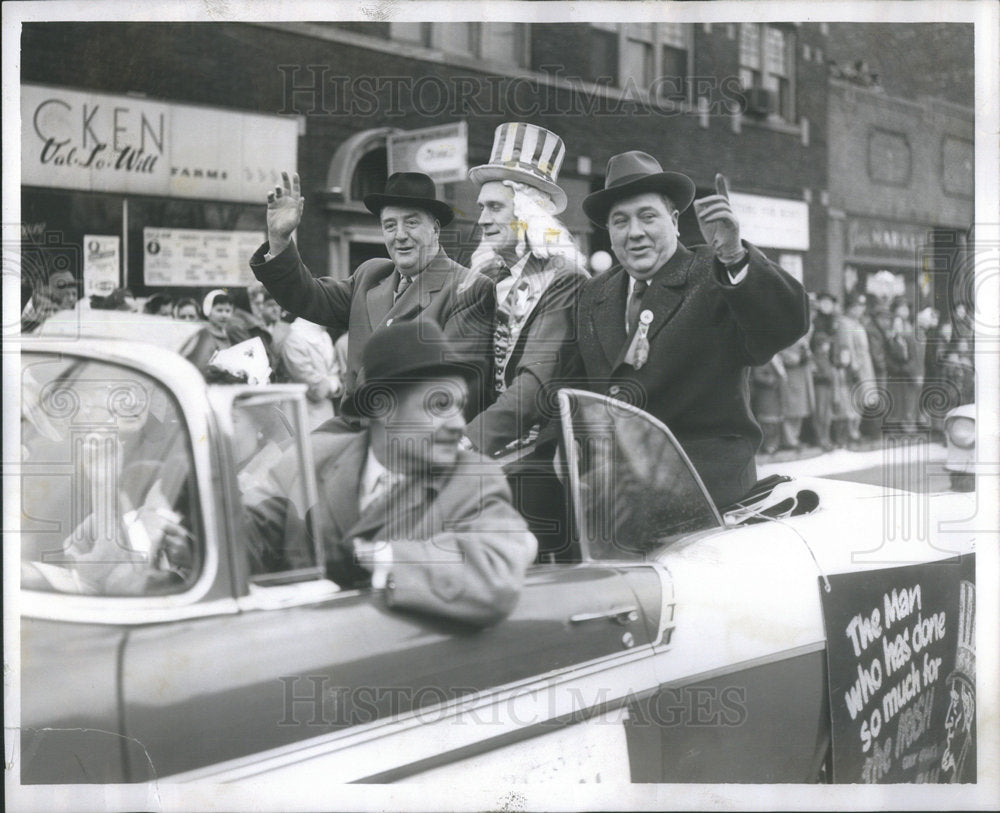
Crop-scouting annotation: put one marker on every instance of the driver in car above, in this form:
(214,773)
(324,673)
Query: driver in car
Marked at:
(402,506)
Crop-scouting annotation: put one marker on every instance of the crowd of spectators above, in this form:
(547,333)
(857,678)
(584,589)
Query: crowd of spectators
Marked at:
(863,370)
(297,351)
(866,369)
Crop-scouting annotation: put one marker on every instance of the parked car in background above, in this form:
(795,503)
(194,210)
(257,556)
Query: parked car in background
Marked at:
(160,641)
(960,431)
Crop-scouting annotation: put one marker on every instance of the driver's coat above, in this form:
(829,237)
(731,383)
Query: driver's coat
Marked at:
(459,548)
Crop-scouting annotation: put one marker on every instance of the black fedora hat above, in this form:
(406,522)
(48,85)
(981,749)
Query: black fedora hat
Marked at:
(399,354)
(632,173)
(410,189)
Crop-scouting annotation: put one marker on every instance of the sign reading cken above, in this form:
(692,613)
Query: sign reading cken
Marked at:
(102,143)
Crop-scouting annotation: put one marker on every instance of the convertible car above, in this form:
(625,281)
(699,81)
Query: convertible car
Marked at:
(775,642)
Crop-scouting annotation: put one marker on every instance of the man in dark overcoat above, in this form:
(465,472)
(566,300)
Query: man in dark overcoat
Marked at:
(676,331)
(419,280)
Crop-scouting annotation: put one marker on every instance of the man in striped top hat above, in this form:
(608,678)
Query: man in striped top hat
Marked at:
(538,271)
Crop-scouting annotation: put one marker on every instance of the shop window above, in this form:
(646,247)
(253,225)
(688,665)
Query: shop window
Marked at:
(767,64)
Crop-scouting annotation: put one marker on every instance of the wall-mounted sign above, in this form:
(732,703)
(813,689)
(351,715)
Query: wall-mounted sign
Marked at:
(772,222)
(97,142)
(879,238)
(441,152)
(101,264)
(197,257)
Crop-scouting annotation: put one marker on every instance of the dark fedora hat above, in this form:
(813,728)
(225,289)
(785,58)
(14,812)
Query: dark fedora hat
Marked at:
(632,173)
(399,354)
(410,189)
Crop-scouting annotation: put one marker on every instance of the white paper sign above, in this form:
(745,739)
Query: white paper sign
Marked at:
(772,222)
(198,257)
(441,152)
(101,264)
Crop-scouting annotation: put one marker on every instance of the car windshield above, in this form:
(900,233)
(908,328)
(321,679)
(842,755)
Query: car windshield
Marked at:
(632,487)
(107,500)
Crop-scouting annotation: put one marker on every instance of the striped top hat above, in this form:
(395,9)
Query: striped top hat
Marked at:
(526,153)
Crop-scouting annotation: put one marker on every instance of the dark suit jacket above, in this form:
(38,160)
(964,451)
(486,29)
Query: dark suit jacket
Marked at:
(704,337)
(543,353)
(459,549)
(461,301)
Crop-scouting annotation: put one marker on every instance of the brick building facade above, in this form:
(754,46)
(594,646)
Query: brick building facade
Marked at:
(748,100)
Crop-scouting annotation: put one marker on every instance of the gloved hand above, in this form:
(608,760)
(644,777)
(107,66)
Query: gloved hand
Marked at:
(719,225)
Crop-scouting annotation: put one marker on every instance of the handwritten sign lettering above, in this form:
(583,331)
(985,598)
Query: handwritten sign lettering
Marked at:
(901,654)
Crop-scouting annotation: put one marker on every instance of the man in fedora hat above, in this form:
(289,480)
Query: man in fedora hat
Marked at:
(402,506)
(418,281)
(538,271)
(681,327)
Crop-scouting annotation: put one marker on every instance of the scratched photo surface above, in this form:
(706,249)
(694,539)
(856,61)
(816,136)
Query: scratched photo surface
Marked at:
(430,406)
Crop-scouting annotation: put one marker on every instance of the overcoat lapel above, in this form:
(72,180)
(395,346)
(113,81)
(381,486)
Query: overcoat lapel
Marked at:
(608,316)
(417,298)
(339,480)
(379,299)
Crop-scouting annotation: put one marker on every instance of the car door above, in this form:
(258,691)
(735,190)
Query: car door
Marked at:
(105,460)
(309,682)
(740,662)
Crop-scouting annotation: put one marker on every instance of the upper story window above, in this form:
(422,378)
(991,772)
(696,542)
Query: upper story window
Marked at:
(417,33)
(638,56)
(656,57)
(766,63)
(604,52)
(502,43)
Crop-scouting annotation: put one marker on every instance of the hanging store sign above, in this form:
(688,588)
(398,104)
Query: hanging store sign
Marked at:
(102,143)
(198,257)
(772,222)
(441,152)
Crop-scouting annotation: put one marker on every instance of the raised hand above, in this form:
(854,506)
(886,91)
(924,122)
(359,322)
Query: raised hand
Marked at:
(718,223)
(284,211)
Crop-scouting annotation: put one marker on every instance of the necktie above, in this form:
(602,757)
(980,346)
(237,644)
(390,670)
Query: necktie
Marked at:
(634,304)
(404,283)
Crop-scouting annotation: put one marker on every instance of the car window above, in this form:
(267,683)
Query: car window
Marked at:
(107,494)
(274,498)
(632,487)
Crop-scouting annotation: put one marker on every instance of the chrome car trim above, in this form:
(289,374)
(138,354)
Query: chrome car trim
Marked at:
(123,612)
(280,596)
(393,743)
(517,711)
(742,666)
(187,387)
